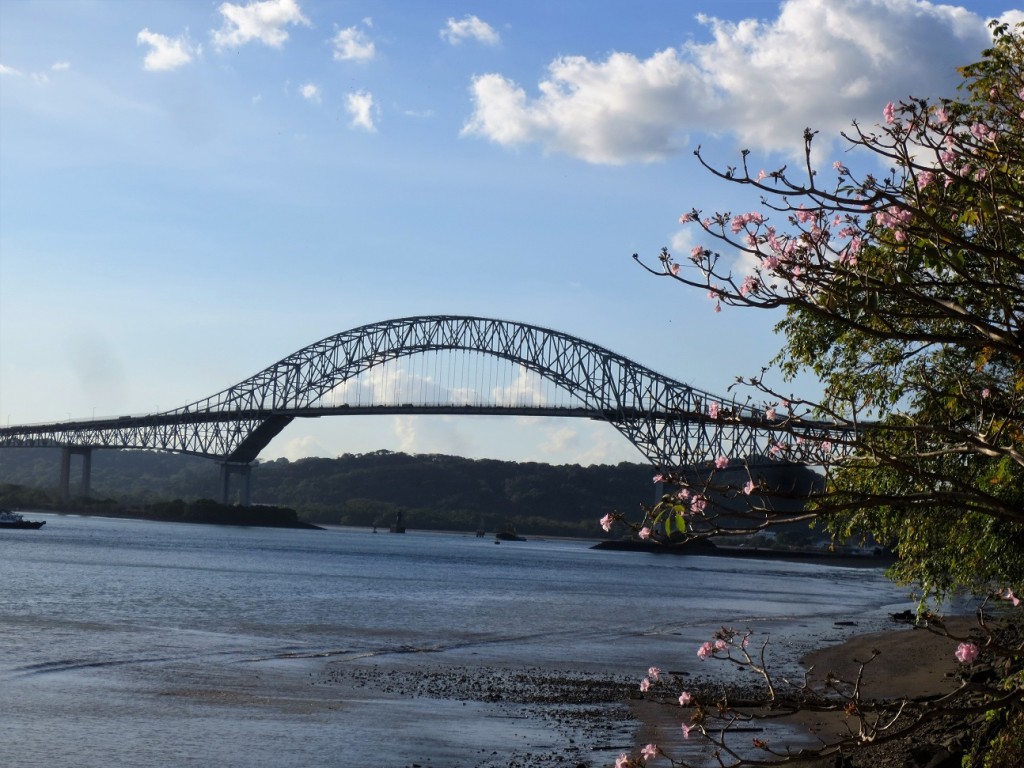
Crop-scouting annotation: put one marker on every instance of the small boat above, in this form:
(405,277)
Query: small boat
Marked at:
(10,519)
(508,534)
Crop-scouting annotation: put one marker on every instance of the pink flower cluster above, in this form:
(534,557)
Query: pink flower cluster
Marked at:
(966,653)
(743,220)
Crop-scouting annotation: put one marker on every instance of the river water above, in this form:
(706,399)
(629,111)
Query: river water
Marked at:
(133,643)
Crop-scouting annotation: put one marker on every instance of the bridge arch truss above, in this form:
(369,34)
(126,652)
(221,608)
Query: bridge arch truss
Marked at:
(669,422)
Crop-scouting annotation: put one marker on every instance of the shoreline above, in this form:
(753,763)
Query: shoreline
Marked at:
(550,716)
(812,557)
(909,662)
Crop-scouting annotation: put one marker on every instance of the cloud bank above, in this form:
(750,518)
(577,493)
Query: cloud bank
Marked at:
(819,64)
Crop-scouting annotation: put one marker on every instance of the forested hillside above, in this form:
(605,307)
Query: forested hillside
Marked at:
(431,491)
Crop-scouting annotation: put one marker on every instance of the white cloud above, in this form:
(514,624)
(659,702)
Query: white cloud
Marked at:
(310,92)
(818,64)
(619,110)
(5,70)
(360,106)
(61,66)
(300,448)
(165,53)
(352,44)
(469,28)
(263,21)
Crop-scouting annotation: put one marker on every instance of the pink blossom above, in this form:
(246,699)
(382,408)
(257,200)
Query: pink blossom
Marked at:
(740,221)
(941,115)
(659,478)
(720,644)
(674,269)
(803,215)
(623,761)
(713,410)
(645,533)
(606,522)
(654,673)
(981,132)
(893,217)
(853,249)
(924,179)
(749,487)
(966,653)
(686,732)
(762,175)
(686,218)
(685,698)
(698,504)
(1008,595)
(707,649)
(826,446)
(721,462)
(776,449)
(770,414)
(889,113)
(645,684)
(986,393)
(696,252)
(649,752)
(749,285)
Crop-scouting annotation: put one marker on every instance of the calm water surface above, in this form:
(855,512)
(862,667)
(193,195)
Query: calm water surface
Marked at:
(111,630)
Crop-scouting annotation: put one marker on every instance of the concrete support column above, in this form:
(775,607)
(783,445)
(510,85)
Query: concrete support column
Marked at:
(65,475)
(65,471)
(86,471)
(227,469)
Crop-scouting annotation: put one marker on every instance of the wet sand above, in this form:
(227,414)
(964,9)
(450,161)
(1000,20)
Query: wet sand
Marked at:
(462,715)
(904,662)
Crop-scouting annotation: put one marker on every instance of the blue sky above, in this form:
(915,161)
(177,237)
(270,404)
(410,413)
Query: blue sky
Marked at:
(191,190)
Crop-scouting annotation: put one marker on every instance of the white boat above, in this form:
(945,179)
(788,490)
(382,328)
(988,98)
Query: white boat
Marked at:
(10,519)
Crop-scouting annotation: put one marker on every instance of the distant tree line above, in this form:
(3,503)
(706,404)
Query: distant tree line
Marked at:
(430,491)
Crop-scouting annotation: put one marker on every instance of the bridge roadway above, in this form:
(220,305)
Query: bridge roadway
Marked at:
(672,424)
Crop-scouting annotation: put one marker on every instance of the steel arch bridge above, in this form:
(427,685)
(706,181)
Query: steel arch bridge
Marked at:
(669,422)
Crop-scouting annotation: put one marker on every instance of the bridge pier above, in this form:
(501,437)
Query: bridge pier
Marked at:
(65,471)
(244,471)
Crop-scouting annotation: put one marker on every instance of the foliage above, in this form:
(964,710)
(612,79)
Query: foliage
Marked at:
(437,492)
(903,294)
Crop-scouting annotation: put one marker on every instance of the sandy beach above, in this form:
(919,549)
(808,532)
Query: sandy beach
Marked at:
(902,662)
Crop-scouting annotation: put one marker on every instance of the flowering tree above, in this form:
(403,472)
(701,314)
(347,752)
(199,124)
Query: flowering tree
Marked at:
(903,293)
